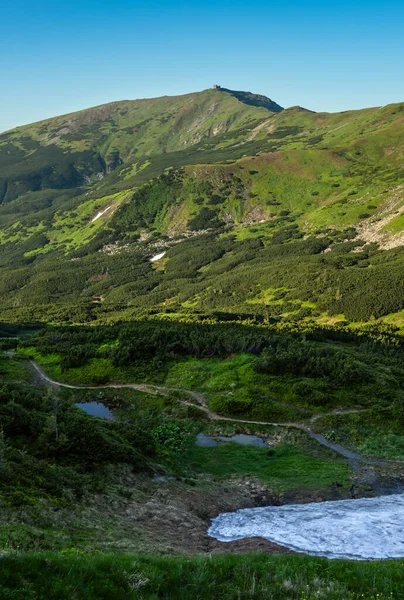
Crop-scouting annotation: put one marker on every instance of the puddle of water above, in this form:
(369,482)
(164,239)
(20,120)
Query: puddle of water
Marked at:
(369,528)
(240,438)
(206,440)
(96,409)
(163,478)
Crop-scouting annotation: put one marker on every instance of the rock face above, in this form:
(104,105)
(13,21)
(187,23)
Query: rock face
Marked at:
(254,99)
(370,528)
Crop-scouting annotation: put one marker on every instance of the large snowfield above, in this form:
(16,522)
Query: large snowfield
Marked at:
(370,528)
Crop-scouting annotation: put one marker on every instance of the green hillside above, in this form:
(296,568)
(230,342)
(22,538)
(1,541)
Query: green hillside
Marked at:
(81,148)
(257,211)
(199,266)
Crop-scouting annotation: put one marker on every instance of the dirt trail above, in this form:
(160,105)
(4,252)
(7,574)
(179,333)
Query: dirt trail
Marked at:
(202,405)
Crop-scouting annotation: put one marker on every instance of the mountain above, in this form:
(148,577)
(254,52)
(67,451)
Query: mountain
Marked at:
(202,311)
(83,147)
(253,99)
(256,210)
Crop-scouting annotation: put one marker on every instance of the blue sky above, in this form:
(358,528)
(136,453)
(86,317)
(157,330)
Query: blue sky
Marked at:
(61,56)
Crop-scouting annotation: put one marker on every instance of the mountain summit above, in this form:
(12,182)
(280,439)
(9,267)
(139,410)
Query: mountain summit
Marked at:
(252,99)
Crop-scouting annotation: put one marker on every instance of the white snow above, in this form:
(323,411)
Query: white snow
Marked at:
(99,214)
(158,256)
(370,528)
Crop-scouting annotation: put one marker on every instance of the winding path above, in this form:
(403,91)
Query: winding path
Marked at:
(202,405)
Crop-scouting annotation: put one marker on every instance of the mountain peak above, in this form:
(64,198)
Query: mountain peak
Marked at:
(251,99)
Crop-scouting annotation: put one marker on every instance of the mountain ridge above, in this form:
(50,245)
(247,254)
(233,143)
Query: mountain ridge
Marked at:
(61,151)
(237,94)
(219,189)
(253,99)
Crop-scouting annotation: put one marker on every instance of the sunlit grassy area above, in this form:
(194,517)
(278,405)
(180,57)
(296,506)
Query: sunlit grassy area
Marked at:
(284,467)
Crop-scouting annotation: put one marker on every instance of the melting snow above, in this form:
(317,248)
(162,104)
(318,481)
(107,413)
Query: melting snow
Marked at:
(99,214)
(370,528)
(157,256)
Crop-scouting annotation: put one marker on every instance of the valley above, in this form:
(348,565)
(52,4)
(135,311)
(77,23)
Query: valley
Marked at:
(138,486)
(180,276)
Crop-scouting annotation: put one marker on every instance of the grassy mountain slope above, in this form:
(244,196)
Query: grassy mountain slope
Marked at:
(75,149)
(230,251)
(287,213)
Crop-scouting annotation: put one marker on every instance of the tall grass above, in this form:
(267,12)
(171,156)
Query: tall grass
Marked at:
(72,575)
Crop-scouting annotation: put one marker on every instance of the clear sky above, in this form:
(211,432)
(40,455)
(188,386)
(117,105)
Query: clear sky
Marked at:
(64,55)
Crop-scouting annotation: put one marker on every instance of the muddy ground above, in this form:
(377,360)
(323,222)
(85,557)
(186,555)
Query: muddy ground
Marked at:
(140,514)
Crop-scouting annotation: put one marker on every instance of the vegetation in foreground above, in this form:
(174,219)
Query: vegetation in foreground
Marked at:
(74,488)
(72,574)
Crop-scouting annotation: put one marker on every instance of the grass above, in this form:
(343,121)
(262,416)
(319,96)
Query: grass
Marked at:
(96,372)
(282,468)
(395,225)
(71,229)
(79,576)
(232,388)
(215,374)
(385,445)
(371,434)
(13,371)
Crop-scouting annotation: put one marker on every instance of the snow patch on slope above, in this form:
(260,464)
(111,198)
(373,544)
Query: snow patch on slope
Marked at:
(158,256)
(99,214)
(370,528)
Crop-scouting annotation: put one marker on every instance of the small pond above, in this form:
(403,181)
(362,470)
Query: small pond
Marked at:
(96,409)
(163,478)
(239,438)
